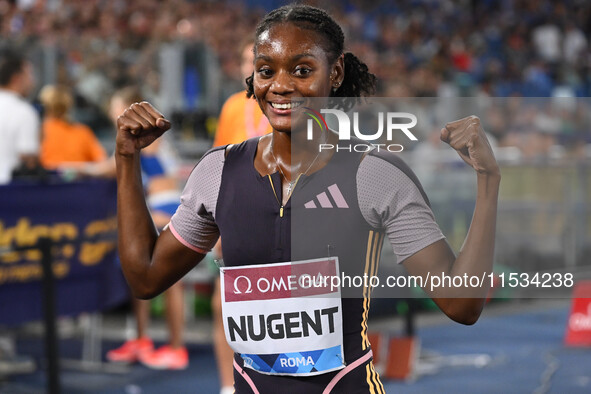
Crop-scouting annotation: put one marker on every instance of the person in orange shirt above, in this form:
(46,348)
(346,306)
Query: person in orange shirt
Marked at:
(65,142)
(240,119)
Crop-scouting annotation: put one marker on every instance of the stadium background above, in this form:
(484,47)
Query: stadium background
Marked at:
(184,55)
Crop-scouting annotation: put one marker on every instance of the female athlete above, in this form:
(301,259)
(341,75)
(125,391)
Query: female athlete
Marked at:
(284,342)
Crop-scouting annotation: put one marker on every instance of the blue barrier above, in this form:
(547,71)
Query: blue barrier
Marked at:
(80,220)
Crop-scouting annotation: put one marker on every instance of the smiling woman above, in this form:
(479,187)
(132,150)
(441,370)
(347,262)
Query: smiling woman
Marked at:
(348,77)
(273,242)
(290,63)
(299,54)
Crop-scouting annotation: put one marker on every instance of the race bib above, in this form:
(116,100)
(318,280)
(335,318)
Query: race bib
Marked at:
(284,318)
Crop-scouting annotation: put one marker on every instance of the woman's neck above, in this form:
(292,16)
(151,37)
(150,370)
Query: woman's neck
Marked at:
(298,155)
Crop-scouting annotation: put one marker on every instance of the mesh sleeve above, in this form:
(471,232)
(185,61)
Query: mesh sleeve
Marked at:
(390,200)
(193,224)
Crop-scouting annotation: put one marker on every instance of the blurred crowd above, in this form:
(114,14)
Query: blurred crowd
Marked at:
(184,55)
(417,48)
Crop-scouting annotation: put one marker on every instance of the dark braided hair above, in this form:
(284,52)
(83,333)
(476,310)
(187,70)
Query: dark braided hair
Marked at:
(358,81)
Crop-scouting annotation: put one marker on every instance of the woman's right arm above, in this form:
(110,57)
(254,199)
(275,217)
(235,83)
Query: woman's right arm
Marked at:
(151,263)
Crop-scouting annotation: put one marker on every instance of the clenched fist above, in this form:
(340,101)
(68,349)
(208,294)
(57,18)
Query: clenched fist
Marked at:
(467,137)
(139,126)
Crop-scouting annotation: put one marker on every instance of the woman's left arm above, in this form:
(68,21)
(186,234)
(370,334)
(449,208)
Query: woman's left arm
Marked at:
(436,263)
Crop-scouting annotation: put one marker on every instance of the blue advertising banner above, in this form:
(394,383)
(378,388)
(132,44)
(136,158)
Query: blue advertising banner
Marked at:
(80,219)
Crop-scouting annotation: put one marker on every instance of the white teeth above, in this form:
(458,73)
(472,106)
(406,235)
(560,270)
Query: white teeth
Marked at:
(285,106)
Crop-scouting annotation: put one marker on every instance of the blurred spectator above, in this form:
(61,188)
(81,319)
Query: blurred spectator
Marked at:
(241,117)
(65,142)
(575,43)
(163,197)
(547,39)
(19,144)
(19,132)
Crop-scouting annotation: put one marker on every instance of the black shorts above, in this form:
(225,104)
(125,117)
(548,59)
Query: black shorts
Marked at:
(358,377)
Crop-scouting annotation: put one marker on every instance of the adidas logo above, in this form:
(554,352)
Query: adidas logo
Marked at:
(325,202)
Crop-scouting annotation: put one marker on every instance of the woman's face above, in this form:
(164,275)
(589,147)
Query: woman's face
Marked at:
(290,64)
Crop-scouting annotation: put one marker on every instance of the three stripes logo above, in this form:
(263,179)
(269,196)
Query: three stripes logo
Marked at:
(324,201)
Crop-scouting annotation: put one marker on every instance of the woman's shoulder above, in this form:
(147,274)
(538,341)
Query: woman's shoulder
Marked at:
(243,147)
(388,168)
(378,155)
(212,156)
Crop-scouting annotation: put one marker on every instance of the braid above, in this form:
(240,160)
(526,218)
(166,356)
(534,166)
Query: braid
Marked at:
(358,80)
(249,86)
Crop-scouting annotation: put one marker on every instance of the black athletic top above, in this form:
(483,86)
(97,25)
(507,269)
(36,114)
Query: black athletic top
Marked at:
(345,209)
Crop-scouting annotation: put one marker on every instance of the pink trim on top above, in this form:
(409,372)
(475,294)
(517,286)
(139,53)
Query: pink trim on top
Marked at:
(181,240)
(346,370)
(246,377)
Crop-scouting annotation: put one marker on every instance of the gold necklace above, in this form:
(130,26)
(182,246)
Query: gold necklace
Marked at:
(292,184)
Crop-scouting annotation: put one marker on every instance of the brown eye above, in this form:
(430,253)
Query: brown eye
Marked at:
(264,72)
(302,71)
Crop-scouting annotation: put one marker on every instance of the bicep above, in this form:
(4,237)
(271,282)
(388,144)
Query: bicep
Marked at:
(431,260)
(171,260)
(192,230)
(434,265)
(430,263)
